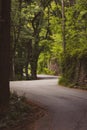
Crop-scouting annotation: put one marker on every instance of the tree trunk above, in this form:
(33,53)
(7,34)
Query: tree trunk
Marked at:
(29,53)
(33,65)
(12,68)
(63,27)
(4,53)
(26,71)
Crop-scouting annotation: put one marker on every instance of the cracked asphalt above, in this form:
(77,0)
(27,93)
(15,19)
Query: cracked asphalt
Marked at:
(67,108)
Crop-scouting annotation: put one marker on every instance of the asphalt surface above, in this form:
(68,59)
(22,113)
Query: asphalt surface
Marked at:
(67,108)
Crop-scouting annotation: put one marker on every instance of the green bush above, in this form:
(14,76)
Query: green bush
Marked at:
(47,71)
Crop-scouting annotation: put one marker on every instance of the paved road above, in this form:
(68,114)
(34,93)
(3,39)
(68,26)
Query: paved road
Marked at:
(67,107)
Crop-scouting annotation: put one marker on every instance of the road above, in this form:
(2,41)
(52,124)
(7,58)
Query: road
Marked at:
(67,108)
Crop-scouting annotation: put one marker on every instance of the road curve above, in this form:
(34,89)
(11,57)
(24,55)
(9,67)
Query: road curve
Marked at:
(67,107)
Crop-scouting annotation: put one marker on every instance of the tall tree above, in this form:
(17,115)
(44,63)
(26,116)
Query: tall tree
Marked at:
(4,53)
(63,25)
(16,7)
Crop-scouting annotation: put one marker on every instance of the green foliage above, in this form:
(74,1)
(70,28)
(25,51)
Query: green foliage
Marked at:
(73,62)
(63,81)
(47,71)
(18,111)
(74,69)
(40,37)
(29,34)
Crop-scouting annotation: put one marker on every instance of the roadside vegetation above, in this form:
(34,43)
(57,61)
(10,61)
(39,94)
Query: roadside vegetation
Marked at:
(21,114)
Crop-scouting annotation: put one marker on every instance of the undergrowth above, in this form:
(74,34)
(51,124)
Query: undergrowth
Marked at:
(18,111)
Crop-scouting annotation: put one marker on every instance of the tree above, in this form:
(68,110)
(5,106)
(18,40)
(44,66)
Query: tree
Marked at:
(75,61)
(16,7)
(63,25)
(33,24)
(4,53)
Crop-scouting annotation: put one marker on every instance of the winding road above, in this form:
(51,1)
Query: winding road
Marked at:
(67,108)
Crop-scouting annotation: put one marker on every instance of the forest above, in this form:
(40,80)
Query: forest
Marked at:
(43,37)
(49,37)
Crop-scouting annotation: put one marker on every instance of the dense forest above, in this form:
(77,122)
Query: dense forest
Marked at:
(49,37)
(43,36)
